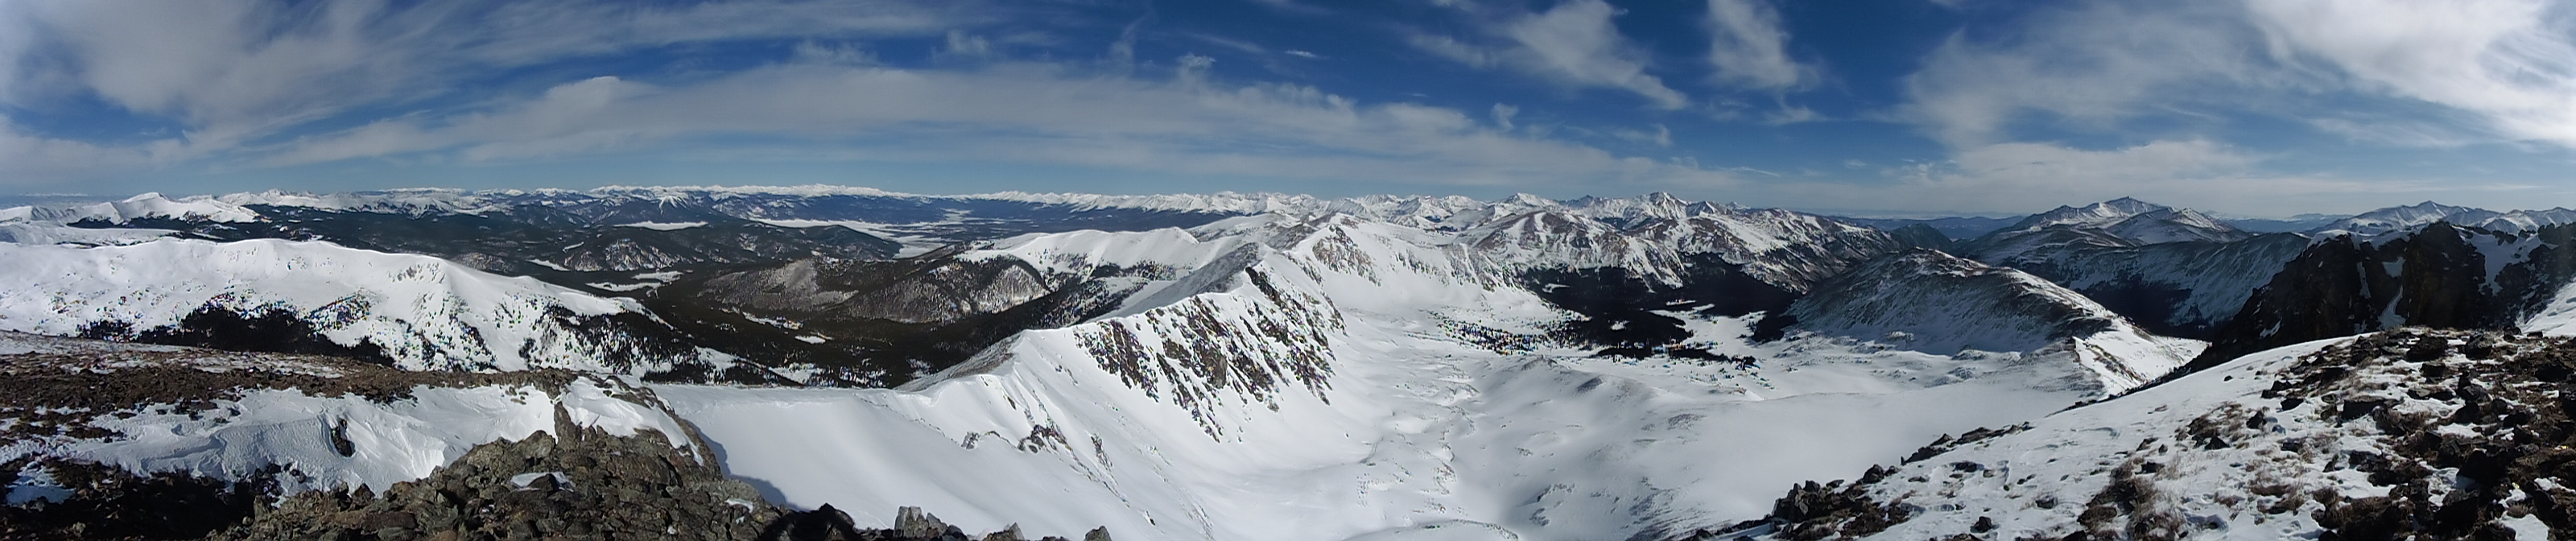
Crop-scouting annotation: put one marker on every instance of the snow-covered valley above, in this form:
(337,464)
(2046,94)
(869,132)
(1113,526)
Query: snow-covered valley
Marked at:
(1414,425)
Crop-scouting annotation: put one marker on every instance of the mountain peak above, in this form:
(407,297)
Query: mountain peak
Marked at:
(2095,215)
(2406,218)
(2130,204)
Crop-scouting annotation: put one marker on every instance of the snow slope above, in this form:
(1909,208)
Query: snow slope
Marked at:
(392,443)
(2181,285)
(1936,303)
(2117,223)
(149,205)
(2439,433)
(1338,378)
(49,233)
(425,312)
(2369,226)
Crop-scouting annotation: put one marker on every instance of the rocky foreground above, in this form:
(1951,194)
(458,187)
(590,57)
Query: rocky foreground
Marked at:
(2407,434)
(570,481)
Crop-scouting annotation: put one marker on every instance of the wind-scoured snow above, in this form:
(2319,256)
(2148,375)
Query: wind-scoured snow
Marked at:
(1079,252)
(1937,303)
(665,226)
(2558,317)
(425,312)
(29,232)
(2373,225)
(149,205)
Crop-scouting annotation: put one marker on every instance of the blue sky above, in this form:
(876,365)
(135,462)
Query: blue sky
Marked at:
(1894,107)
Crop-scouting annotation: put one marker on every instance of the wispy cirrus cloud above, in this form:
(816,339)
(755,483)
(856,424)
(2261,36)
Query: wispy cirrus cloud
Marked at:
(236,69)
(264,85)
(1023,112)
(2511,62)
(2505,67)
(2009,178)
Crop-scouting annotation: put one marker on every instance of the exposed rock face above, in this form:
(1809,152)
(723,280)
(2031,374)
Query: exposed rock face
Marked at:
(2442,276)
(584,485)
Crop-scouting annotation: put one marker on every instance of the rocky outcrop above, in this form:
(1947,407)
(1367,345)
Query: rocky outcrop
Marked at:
(577,479)
(2442,276)
(585,484)
(2409,434)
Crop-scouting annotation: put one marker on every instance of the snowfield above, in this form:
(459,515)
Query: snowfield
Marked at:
(2410,432)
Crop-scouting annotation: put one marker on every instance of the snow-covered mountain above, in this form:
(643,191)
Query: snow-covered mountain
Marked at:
(2175,271)
(2398,220)
(1336,377)
(1783,248)
(1238,366)
(1936,303)
(416,312)
(2117,223)
(149,205)
(2187,289)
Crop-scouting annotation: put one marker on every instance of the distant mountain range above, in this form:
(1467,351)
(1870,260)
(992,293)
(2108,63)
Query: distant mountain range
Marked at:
(1256,366)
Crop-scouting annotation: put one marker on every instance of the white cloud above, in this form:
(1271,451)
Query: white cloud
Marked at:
(28,161)
(2089,64)
(1014,112)
(2492,70)
(962,45)
(2510,61)
(1749,48)
(1573,44)
(1503,114)
(237,69)
(1661,136)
